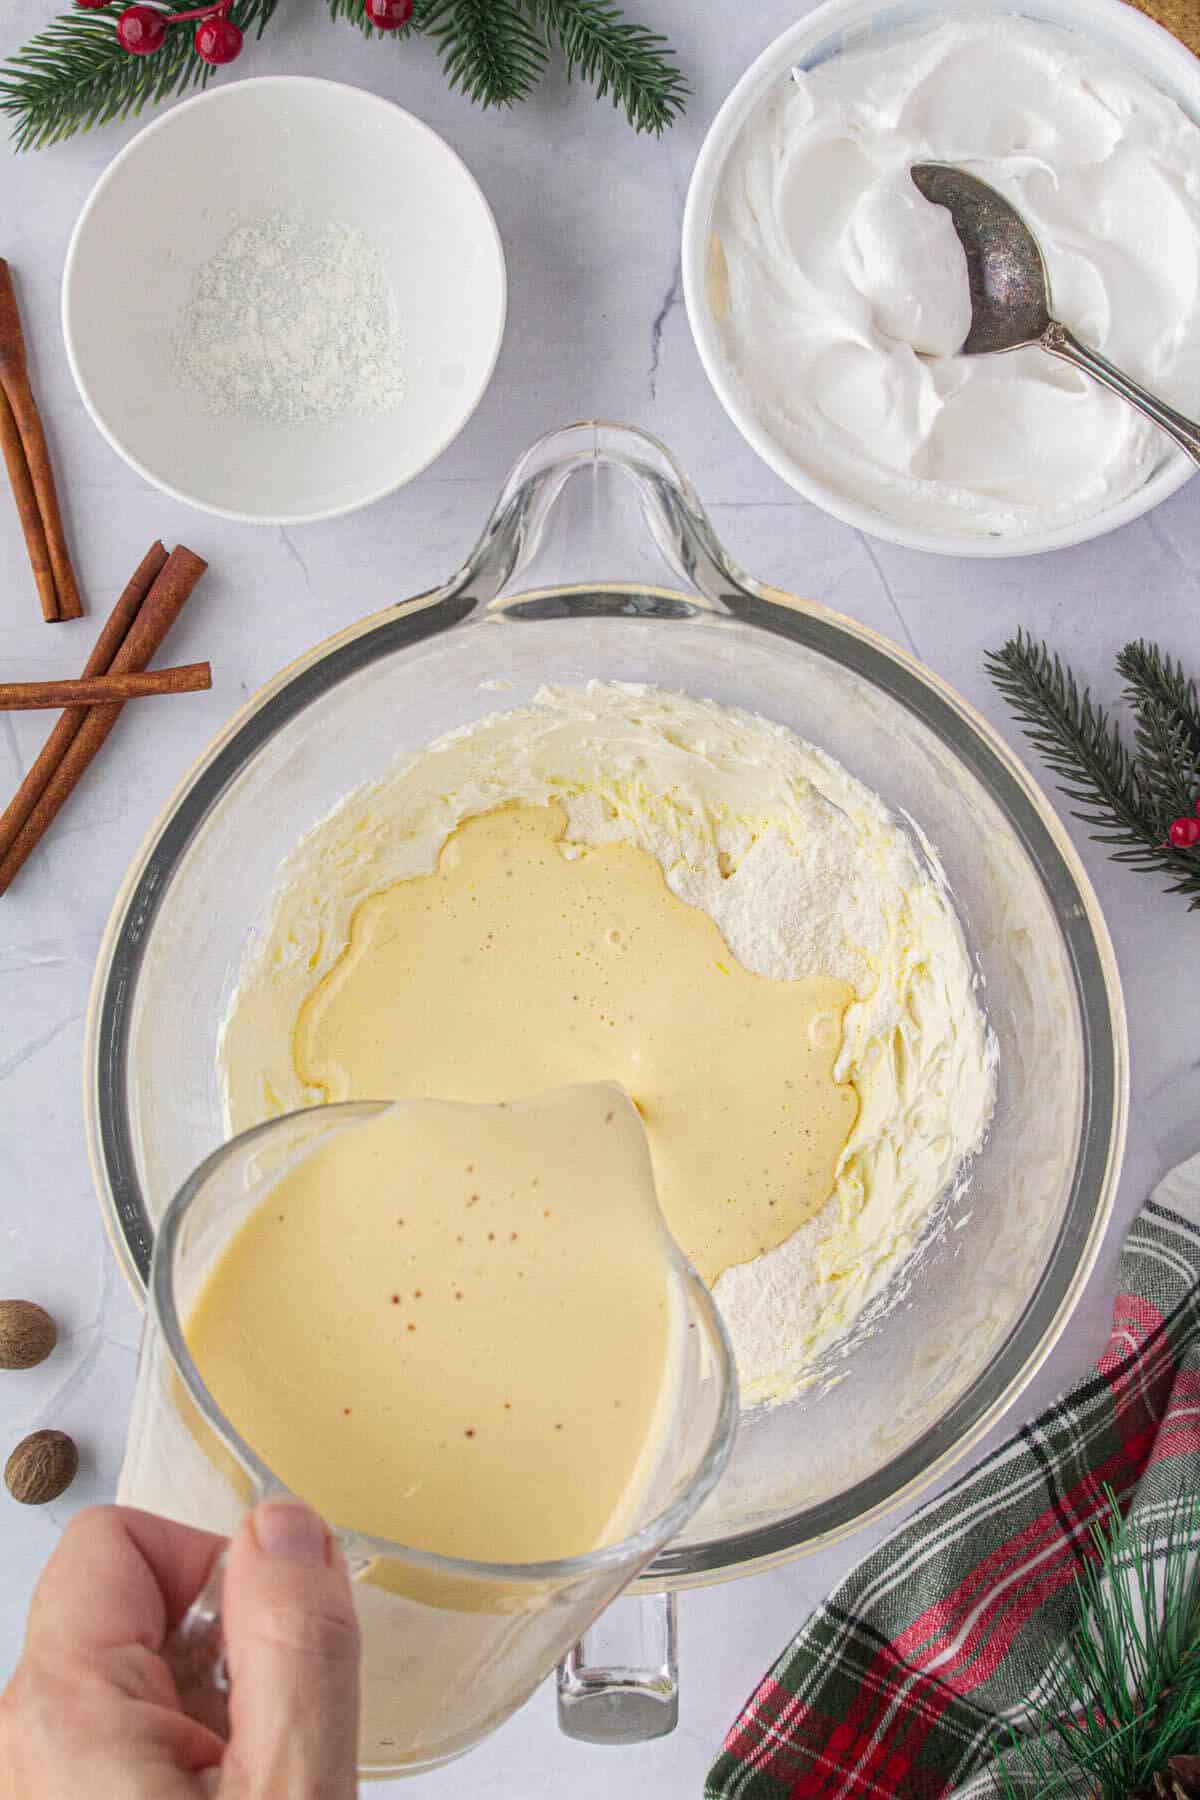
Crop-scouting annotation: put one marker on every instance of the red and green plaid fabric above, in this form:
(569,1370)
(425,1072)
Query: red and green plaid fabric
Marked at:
(900,1685)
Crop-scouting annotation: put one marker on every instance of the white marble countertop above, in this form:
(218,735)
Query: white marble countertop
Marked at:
(590,219)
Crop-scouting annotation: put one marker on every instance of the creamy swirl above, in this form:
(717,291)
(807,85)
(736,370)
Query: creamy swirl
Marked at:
(844,291)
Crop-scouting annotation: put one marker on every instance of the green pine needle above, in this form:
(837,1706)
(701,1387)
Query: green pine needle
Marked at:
(495,50)
(617,57)
(74,74)
(1123,1695)
(1151,675)
(489,48)
(1127,798)
(1167,731)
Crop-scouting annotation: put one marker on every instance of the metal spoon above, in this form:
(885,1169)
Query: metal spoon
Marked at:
(1010,292)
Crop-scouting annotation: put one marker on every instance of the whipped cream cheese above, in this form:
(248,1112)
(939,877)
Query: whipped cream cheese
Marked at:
(806,873)
(843,291)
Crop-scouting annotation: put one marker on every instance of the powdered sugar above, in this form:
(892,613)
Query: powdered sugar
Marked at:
(292,322)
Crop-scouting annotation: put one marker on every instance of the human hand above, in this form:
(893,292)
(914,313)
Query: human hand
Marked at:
(93,1709)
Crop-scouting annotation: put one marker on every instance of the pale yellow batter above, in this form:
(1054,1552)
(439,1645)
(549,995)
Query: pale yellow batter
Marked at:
(805,872)
(393,1328)
(523,964)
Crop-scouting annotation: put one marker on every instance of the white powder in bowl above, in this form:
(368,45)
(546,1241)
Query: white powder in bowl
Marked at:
(294,323)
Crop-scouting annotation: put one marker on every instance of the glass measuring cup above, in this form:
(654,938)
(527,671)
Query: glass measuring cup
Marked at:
(451,1647)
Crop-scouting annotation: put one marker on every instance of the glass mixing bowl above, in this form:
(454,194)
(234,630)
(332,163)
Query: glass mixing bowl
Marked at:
(598,562)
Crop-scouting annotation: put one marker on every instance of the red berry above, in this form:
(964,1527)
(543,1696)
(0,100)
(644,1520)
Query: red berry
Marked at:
(218,40)
(91,5)
(1185,833)
(389,15)
(141,30)
(1198,806)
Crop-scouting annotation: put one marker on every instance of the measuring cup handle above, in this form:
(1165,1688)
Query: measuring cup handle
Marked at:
(194,1652)
(620,1684)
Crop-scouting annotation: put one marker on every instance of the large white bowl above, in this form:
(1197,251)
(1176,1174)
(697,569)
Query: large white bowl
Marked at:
(321,151)
(840,25)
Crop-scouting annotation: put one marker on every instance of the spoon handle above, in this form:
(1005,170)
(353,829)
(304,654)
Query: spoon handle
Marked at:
(1061,342)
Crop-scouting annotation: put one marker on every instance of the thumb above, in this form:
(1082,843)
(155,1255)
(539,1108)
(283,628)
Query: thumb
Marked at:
(291,1641)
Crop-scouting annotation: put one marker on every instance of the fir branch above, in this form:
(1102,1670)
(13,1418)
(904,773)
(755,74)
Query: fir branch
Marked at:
(1167,712)
(619,57)
(1150,675)
(1119,796)
(1123,1695)
(75,74)
(1076,737)
(1167,760)
(489,48)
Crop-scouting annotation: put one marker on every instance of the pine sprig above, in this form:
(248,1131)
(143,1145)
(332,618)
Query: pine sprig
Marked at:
(74,74)
(1077,738)
(1127,798)
(1149,675)
(1122,1698)
(1169,764)
(1167,731)
(617,57)
(490,48)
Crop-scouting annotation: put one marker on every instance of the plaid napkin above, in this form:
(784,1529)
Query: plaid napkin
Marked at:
(901,1683)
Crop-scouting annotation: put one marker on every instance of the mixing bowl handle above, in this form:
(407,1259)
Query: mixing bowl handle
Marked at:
(602,505)
(620,1684)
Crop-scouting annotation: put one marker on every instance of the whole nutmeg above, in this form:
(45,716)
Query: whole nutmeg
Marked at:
(41,1467)
(27,1334)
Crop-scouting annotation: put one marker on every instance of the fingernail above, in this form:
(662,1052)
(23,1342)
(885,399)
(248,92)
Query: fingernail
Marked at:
(290,1530)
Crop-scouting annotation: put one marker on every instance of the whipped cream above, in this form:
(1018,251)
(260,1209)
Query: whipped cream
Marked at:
(844,291)
(805,871)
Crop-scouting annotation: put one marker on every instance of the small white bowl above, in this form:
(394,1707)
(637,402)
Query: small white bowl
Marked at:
(840,25)
(313,150)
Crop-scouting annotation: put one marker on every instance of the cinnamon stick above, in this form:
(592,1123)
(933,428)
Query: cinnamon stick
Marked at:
(21,483)
(14,379)
(111,638)
(96,690)
(158,612)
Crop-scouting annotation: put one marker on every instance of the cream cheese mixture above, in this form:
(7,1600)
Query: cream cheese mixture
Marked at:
(813,887)
(843,291)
